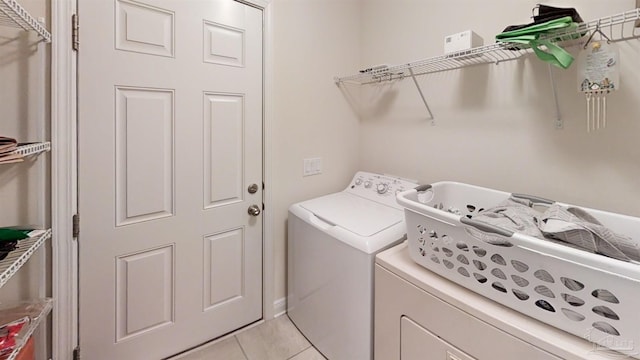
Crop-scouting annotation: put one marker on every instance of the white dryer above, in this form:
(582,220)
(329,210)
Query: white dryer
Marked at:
(333,241)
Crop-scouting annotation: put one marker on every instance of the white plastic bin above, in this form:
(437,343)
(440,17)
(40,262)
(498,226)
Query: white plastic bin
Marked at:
(589,295)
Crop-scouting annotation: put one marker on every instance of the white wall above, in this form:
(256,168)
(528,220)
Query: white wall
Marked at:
(314,40)
(495,123)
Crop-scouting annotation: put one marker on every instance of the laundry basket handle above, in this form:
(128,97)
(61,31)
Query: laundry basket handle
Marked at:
(422,188)
(533,198)
(486,227)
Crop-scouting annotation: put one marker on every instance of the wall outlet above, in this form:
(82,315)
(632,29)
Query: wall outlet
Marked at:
(312,166)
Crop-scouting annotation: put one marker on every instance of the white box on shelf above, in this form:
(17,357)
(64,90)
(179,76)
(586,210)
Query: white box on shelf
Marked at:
(461,41)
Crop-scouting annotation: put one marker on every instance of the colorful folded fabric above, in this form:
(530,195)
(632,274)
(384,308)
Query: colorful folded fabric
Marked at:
(13,234)
(545,48)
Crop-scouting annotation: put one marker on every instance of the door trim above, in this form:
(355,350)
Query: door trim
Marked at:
(64,174)
(268,268)
(63,182)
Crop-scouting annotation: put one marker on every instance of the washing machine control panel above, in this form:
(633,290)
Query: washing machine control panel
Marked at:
(380,188)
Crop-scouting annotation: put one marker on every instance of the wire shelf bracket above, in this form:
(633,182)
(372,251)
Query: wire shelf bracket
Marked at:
(559,123)
(413,76)
(32,148)
(14,15)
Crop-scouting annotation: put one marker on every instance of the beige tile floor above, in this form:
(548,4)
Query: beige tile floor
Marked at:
(276,339)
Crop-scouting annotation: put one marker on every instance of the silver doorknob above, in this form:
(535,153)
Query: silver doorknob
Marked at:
(253,210)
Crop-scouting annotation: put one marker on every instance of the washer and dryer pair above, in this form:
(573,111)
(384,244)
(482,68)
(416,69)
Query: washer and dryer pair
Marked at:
(333,241)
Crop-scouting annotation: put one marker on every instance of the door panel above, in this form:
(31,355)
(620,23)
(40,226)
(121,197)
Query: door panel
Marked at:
(223,268)
(145,292)
(223,45)
(170,137)
(224,148)
(144,29)
(144,174)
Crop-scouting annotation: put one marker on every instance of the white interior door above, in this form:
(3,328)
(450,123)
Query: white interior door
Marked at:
(170,140)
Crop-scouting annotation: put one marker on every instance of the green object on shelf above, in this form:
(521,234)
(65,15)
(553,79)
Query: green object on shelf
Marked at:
(530,36)
(13,234)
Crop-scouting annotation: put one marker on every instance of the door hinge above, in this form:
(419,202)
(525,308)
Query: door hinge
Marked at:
(76,225)
(76,353)
(75,32)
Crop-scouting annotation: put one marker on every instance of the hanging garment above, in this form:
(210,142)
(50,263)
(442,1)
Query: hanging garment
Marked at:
(546,13)
(545,48)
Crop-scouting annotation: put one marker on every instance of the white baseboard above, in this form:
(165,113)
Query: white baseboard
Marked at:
(279,307)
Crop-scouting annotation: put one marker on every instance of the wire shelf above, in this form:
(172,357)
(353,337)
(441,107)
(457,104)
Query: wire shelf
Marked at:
(612,26)
(14,15)
(10,265)
(32,148)
(494,53)
(45,306)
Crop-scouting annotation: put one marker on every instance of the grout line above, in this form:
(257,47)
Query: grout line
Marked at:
(305,349)
(298,353)
(241,348)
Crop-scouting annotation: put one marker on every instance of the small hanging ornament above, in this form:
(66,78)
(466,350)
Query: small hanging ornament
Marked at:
(598,75)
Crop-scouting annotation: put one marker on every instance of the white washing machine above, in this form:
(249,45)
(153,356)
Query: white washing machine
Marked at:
(333,241)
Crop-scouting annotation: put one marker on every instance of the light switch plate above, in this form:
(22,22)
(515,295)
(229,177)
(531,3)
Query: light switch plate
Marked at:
(312,166)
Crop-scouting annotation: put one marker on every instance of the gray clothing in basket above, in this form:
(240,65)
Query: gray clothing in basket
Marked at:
(571,226)
(512,214)
(576,226)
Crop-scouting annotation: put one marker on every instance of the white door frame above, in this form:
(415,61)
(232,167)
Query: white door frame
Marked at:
(64,175)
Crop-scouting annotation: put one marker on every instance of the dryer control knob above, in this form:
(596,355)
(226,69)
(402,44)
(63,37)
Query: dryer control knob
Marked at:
(358,181)
(367,184)
(382,188)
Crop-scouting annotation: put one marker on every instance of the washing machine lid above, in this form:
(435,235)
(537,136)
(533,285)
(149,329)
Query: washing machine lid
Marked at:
(353,213)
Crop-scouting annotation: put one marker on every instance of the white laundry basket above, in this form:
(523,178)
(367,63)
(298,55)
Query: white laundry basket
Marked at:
(589,295)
